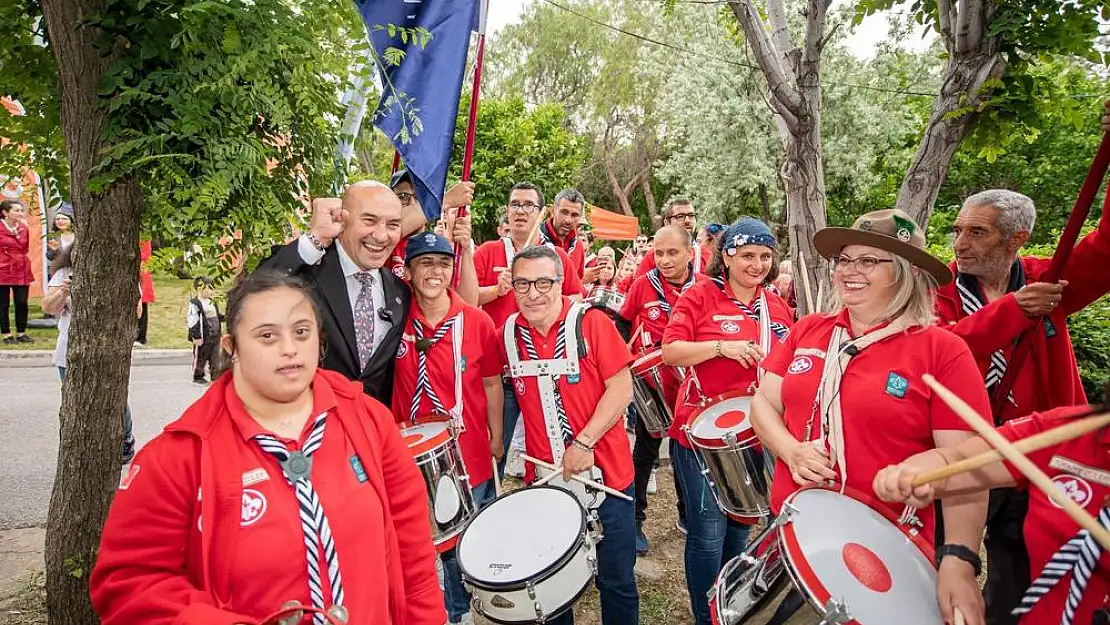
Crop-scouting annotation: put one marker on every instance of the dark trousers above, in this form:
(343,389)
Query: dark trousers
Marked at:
(144,321)
(1007,558)
(645,454)
(207,353)
(616,559)
(16,293)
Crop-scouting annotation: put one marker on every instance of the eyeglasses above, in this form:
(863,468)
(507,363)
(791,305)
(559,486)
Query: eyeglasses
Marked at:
(864,264)
(682,216)
(543,285)
(405,197)
(526,207)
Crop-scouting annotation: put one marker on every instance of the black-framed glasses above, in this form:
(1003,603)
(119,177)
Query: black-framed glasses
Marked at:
(405,197)
(525,207)
(863,264)
(543,285)
(682,216)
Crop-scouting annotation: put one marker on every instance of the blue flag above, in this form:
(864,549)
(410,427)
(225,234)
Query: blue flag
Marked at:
(420,48)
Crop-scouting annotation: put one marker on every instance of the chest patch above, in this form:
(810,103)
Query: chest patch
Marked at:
(730,327)
(800,365)
(1098,476)
(255,476)
(518,384)
(654,314)
(1077,488)
(896,385)
(254,506)
(402,348)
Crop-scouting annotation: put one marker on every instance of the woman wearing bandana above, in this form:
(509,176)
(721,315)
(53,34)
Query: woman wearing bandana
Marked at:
(720,330)
(843,397)
(284,484)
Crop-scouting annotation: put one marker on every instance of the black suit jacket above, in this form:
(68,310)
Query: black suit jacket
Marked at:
(330,289)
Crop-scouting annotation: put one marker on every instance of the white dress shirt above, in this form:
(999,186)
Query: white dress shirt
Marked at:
(312,256)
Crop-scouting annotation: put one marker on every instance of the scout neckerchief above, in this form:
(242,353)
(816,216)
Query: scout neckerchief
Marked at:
(839,351)
(297,468)
(697,258)
(547,237)
(761,315)
(1079,556)
(972,299)
(656,280)
(424,380)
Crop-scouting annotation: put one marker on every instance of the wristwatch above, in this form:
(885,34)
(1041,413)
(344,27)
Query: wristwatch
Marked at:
(960,552)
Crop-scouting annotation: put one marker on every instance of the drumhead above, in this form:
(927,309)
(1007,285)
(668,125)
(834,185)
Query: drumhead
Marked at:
(727,414)
(426,436)
(647,362)
(838,547)
(520,536)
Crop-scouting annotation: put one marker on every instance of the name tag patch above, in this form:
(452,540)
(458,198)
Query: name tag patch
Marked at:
(1098,476)
(896,385)
(360,471)
(254,476)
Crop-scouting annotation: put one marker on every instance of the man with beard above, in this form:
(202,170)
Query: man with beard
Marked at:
(562,231)
(996,296)
(492,261)
(448,368)
(648,307)
(680,212)
(563,350)
(363,306)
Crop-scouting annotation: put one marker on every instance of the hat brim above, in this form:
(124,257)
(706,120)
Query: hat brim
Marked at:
(830,241)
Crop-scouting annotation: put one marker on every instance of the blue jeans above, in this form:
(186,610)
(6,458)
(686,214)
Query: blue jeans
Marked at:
(712,538)
(616,559)
(127,430)
(510,413)
(455,595)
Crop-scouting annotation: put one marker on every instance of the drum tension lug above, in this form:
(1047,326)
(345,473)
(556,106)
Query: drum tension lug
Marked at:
(788,512)
(836,613)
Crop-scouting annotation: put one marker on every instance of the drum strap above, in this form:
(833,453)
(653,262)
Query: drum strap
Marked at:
(297,467)
(548,372)
(424,387)
(1079,556)
(697,258)
(837,354)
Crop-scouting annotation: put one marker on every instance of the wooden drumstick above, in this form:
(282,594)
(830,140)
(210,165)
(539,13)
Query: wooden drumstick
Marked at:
(531,240)
(592,484)
(1018,459)
(496,477)
(1028,445)
(635,333)
(957,617)
(550,476)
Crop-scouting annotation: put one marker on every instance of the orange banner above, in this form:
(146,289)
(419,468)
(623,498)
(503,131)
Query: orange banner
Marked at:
(612,226)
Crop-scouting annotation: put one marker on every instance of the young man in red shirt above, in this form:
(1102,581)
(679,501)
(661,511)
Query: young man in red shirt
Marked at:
(680,212)
(647,308)
(492,260)
(454,344)
(585,371)
(562,231)
(996,296)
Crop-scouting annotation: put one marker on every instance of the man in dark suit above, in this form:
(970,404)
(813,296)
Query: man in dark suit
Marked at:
(363,306)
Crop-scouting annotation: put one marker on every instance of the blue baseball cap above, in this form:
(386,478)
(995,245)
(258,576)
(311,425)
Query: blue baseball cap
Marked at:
(427,243)
(402,175)
(748,231)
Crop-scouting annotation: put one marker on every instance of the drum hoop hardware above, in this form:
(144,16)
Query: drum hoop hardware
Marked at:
(836,613)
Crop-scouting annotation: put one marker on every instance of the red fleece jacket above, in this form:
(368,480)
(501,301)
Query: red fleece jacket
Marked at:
(157,567)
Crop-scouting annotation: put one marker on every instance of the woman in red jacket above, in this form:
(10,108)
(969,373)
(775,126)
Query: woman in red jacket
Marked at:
(15,270)
(283,483)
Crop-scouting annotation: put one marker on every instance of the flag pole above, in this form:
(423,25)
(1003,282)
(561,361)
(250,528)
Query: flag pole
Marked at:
(472,121)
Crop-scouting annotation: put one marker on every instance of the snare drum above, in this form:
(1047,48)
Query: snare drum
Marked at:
(649,379)
(450,500)
(732,457)
(607,297)
(527,556)
(829,558)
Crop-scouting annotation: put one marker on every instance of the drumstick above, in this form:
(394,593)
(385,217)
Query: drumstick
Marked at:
(550,476)
(957,617)
(612,491)
(1028,445)
(1018,459)
(635,332)
(535,229)
(496,477)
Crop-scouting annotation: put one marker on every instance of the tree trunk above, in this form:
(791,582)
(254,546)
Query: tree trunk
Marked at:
(618,191)
(766,203)
(105,295)
(803,177)
(649,199)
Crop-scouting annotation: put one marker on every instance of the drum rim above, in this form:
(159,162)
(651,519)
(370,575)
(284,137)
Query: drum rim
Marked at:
(569,605)
(430,443)
(655,356)
(805,580)
(545,573)
(701,442)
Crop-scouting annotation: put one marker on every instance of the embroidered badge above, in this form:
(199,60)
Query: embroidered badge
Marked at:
(254,506)
(360,471)
(518,384)
(653,314)
(399,271)
(896,385)
(462,365)
(255,476)
(800,365)
(729,327)
(402,349)
(1074,487)
(1084,471)
(573,379)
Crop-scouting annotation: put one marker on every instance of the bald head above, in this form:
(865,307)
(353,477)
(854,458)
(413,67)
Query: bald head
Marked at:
(371,224)
(676,235)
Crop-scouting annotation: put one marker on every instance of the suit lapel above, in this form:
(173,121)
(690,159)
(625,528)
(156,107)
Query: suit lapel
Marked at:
(333,286)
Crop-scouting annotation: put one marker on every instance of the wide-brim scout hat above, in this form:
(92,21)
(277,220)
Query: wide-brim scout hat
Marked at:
(891,230)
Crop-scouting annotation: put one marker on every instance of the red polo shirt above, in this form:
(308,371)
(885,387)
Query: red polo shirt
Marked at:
(648,261)
(479,361)
(606,355)
(705,313)
(1081,468)
(490,260)
(396,262)
(643,306)
(571,245)
(885,421)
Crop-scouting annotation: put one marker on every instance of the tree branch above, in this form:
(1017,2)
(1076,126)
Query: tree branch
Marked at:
(816,12)
(946,13)
(781,82)
(780,29)
(969,25)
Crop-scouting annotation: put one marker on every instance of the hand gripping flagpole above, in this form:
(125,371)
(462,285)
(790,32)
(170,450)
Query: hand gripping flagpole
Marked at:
(472,121)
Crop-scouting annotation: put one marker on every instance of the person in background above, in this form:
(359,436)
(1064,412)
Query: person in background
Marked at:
(63,235)
(626,273)
(640,245)
(562,230)
(503,229)
(204,322)
(282,484)
(15,271)
(784,283)
(710,235)
(414,220)
(58,303)
(146,283)
(679,212)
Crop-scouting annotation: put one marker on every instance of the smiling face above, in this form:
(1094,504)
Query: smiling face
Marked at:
(860,287)
(749,265)
(672,255)
(981,247)
(431,273)
(276,344)
(540,309)
(372,227)
(62,223)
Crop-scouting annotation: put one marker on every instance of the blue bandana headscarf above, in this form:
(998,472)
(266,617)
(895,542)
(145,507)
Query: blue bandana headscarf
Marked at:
(748,231)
